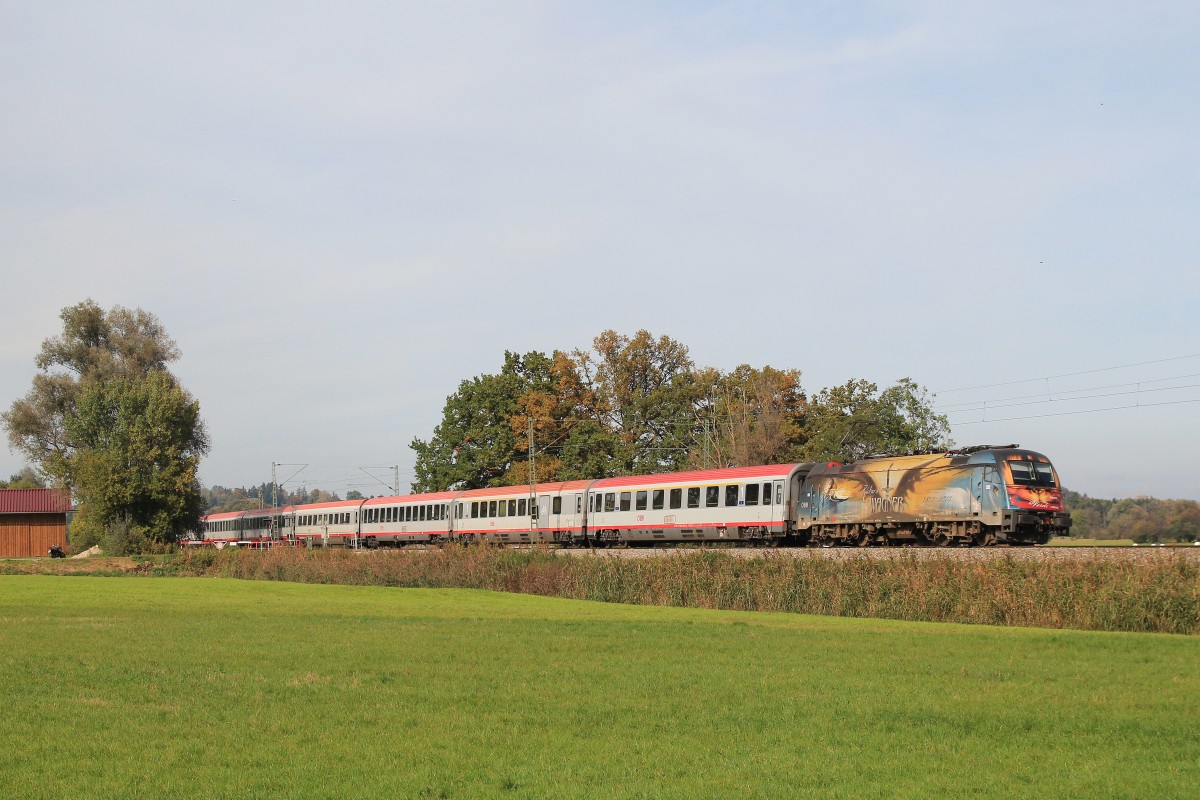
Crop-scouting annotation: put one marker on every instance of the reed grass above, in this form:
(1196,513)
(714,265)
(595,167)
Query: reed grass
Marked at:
(1160,595)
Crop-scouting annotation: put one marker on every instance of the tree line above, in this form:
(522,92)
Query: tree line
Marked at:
(639,404)
(218,499)
(1143,519)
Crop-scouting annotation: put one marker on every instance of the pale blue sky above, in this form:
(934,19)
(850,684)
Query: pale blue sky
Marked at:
(341,210)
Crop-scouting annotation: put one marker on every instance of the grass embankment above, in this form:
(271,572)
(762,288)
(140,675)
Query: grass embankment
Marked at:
(168,688)
(1160,595)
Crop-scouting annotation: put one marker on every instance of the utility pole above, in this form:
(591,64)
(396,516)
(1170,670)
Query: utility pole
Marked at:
(532,481)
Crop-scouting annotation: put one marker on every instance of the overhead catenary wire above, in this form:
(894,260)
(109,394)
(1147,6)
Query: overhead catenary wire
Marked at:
(1066,374)
(1062,394)
(1082,411)
(988,405)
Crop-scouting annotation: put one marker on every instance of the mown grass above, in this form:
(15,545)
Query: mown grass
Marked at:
(216,688)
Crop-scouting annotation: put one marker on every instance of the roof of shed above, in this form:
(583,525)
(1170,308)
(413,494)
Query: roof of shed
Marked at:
(34,501)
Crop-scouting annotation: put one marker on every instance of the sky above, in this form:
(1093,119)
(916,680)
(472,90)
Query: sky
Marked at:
(340,211)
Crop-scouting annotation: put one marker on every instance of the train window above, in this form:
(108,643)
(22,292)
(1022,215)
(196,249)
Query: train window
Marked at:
(503,509)
(578,504)
(656,499)
(522,507)
(610,501)
(693,497)
(492,508)
(677,498)
(751,494)
(779,494)
(512,508)
(731,495)
(1031,473)
(626,498)
(474,509)
(556,505)
(712,496)
(460,511)
(766,495)
(641,500)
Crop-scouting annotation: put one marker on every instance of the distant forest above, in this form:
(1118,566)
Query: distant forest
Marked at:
(1144,519)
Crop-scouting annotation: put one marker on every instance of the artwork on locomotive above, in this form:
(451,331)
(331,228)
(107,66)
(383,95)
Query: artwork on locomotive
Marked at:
(968,496)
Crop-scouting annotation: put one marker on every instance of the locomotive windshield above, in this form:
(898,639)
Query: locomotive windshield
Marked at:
(1031,473)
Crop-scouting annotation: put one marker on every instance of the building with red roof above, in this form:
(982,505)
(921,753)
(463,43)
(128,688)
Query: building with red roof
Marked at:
(32,521)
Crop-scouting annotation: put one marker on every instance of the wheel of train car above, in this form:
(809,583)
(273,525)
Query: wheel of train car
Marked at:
(941,539)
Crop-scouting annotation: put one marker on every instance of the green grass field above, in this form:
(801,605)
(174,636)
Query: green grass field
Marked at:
(146,687)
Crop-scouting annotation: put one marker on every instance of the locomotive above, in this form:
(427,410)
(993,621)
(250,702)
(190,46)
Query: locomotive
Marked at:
(983,495)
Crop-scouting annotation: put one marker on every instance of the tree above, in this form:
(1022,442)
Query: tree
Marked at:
(138,444)
(105,418)
(854,420)
(95,346)
(475,445)
(647,393)
(27,478)
(755,416)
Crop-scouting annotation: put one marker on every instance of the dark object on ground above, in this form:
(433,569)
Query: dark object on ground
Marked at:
(57,552)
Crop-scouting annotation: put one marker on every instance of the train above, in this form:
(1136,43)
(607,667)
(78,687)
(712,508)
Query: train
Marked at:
(970,496)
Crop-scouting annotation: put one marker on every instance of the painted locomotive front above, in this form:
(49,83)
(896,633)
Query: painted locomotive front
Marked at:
(981,495)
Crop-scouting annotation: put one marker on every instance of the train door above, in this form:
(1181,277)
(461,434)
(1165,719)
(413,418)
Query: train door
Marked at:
(543,520)
(570,511)
(985,494)
(977,491)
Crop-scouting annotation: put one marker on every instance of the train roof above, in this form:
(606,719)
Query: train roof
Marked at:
(432,497)
(700,476)
(223,515)
(330,504)
(540,488)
